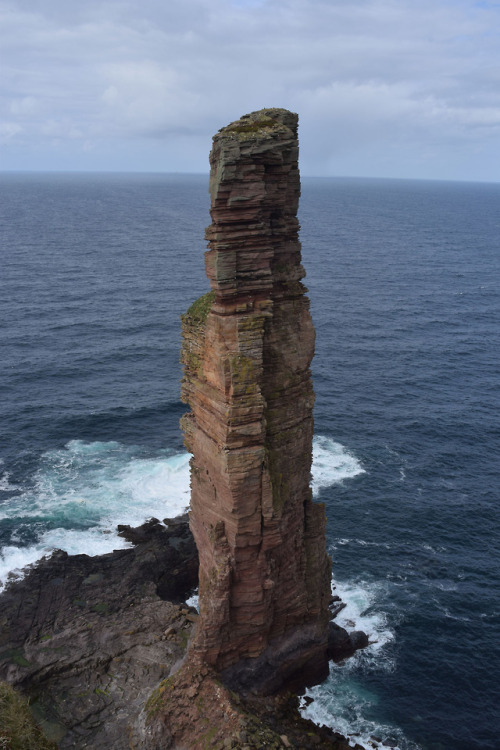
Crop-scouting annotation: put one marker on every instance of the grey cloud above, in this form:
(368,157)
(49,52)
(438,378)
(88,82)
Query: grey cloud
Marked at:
(382,87)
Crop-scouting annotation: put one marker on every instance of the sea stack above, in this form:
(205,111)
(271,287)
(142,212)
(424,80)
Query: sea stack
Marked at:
(264,583)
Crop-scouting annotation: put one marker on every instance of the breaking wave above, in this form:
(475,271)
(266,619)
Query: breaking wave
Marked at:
(332,463)
(80,494)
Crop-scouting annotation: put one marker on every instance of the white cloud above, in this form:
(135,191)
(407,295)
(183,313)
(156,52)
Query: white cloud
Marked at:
(61,129)
(9,130)
(148,98)
(25,106)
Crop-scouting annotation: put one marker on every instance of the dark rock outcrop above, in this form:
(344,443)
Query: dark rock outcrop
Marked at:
(342,644)
(247,348)
(89,638)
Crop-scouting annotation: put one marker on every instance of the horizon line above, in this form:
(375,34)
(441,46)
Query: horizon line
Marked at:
(207,173)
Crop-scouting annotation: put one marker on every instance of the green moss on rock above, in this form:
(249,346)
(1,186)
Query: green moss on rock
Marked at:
(242,370)
(197,313)
(250,127)
(18,729)
(17,656)
(156,698)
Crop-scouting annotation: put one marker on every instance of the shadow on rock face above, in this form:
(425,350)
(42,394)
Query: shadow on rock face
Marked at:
(166,554)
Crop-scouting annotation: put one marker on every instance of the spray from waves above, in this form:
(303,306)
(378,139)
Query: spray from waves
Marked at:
(343,702)
(363,611)
(81,492)
(332,464)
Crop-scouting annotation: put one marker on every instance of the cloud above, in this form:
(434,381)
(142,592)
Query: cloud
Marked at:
(8,130)
(147,98)
(388,85)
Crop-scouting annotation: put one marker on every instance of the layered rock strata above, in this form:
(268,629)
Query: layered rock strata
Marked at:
(247,349)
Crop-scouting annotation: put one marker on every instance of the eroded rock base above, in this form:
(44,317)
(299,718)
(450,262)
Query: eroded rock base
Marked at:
(193,709)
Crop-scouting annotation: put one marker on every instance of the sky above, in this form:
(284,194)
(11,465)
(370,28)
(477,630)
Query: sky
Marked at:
(383,88)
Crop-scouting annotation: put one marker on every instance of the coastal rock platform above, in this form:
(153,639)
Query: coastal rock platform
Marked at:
(89,638)
(95,645)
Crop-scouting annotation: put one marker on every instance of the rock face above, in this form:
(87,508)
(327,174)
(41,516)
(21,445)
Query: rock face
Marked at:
(89,638)
(247,348)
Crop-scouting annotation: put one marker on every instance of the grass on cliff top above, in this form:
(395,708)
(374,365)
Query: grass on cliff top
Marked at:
(18,729)
(200,308)
(252,126)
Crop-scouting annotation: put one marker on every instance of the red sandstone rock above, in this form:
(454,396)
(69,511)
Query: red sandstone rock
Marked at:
(247,348)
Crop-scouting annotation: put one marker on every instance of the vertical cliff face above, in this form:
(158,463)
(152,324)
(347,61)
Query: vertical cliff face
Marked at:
(247,348)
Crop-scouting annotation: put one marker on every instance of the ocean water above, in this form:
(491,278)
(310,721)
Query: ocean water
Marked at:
(404,281)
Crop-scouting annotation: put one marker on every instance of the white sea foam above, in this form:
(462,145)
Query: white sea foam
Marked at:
(6,485)
(83,491)
(193,600)
(362,543)
(363,613)
(14,559)
(96,541)
(332,463)
(342,702)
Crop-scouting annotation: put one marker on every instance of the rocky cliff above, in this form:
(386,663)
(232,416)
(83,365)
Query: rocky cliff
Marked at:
(247,349)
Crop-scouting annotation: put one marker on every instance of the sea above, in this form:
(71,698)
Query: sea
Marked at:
(404,282)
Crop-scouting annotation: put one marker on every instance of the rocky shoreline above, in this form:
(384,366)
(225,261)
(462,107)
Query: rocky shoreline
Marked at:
(94,642)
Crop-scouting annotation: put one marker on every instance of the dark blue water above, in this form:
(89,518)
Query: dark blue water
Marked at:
(404,284)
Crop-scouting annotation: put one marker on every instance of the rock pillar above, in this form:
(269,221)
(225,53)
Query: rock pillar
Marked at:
(247,349)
